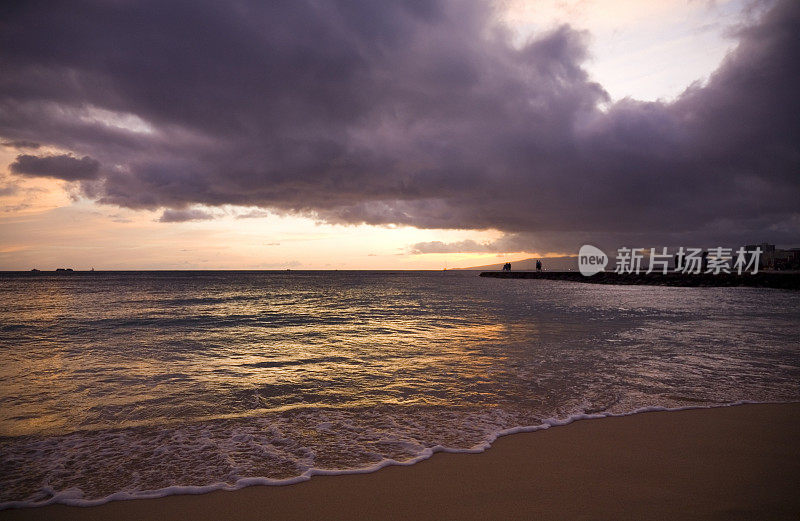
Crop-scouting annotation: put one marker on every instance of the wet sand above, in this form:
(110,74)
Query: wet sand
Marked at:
(727,463)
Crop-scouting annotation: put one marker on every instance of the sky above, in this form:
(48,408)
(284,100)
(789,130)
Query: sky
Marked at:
(392,135)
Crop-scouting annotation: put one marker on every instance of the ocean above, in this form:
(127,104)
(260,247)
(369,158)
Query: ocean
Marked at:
(142,384)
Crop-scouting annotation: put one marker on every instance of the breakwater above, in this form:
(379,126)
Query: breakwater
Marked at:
(782,280)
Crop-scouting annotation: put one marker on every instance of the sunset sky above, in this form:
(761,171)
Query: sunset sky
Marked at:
(392,135)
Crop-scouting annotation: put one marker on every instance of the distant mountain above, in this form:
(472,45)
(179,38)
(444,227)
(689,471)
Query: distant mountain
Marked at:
(548,264)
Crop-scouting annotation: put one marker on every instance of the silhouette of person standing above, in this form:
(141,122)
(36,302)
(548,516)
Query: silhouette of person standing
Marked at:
(538,265)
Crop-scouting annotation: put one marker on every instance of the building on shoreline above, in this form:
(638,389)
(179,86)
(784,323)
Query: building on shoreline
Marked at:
(776,259)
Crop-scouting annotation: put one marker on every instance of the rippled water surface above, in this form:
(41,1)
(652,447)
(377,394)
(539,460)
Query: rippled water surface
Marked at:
(127,383)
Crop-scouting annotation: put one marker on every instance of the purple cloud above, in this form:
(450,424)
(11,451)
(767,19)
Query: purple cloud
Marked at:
(63,166)
(20,144)
(406,113)
(179,216)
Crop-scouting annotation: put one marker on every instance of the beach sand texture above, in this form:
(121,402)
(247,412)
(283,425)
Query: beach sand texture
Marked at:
(727,463)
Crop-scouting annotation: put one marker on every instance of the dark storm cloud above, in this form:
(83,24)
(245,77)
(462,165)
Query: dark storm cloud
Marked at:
(63,166)
(417,113)
(20,144)
(179,216)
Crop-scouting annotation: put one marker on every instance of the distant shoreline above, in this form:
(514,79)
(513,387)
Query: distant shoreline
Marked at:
(780,280)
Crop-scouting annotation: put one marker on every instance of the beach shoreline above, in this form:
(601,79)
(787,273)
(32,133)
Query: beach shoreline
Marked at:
(739,462)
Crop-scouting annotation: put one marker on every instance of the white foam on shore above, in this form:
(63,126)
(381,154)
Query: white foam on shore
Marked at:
(75,497)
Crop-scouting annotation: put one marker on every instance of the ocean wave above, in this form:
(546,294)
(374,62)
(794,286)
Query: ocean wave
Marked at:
(75,496)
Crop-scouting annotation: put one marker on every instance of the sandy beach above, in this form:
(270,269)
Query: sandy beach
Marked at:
(727,463)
